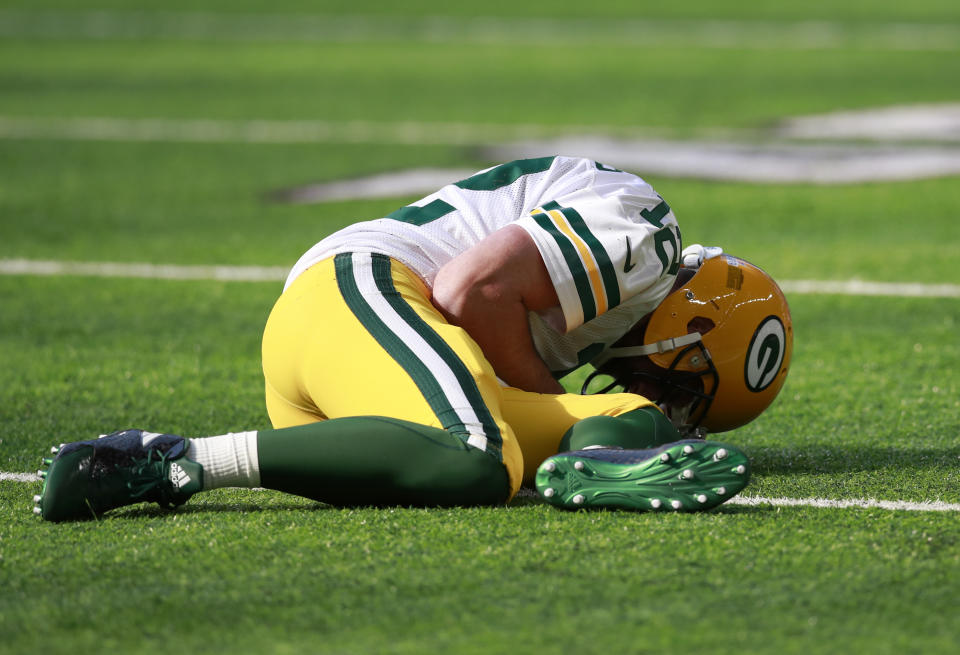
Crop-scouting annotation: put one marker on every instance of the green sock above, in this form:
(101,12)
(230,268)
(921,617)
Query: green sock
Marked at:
(373,460)
(646,427)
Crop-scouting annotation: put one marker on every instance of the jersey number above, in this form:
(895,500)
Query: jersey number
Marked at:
(670,260)
(664,237)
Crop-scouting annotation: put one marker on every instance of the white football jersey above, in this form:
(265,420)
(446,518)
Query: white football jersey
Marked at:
(610,244)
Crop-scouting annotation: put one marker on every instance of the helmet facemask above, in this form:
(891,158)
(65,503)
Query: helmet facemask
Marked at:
(727,319)
(684,390)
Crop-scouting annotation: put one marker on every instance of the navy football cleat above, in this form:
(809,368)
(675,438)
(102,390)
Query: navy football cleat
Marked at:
(88,478)
(683,476)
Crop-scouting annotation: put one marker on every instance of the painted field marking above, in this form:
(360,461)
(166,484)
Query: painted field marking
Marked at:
(18,477)
(716,154)
(867,288)
(770,162)
(862,503)
(937,124)
(192,130)
(479,30)
(36,267)
(142,270)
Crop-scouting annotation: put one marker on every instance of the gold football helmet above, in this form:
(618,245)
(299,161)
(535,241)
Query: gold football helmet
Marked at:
(714,354)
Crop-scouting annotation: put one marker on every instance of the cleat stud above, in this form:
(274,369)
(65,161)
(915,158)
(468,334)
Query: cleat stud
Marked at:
(721,491)
(688,450)
(37,498)
(578,499)
(548,492)
(550,466)
(37,511)
(655,503)
(702,498)
(578,466)
(47,461)
(688,474)
(664,457)
(61,446)
(720,454)
(54,450)
(740,470)
(42,473)
(675,504)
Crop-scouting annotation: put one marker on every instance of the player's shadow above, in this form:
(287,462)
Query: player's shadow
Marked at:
(824,458)
(200,506)
(834,458)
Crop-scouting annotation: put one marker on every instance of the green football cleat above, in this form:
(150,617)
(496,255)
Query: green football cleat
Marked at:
(88,478)
(684,476)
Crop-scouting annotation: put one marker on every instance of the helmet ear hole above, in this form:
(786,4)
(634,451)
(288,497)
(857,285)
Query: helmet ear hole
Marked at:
(700,324)
(683,276)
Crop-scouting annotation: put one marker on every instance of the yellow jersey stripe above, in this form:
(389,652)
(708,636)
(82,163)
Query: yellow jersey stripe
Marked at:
(586,256)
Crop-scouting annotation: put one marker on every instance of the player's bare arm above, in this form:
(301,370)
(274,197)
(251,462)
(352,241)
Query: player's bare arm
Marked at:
(488,291)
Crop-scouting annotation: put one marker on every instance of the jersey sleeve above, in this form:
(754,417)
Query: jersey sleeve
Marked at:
(604,244)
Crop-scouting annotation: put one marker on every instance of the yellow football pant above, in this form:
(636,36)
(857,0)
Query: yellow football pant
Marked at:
(357,335)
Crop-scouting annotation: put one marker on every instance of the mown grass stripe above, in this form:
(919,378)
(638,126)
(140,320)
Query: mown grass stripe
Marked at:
(345,28)
(41,267)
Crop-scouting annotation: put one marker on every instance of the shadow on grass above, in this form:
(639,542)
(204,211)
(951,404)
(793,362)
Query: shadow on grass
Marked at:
(201,507)
(252,508)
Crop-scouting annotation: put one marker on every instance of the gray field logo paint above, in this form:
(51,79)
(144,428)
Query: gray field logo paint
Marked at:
(765,354)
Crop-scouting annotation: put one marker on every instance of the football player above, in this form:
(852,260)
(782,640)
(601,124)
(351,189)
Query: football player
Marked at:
(413,360)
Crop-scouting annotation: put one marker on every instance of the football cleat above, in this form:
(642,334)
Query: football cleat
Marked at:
(88,478)
(685,476)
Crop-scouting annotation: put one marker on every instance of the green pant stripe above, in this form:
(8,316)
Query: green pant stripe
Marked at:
(384,280)
(425,379)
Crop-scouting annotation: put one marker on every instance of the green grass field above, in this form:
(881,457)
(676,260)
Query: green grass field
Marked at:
(870,410)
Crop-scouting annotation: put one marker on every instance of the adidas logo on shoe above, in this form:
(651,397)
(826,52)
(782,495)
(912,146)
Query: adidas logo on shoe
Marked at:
(178,476)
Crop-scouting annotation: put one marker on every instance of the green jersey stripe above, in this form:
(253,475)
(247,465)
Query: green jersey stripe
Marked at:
(611,285)
(505,174)
(416,215)
(580,279)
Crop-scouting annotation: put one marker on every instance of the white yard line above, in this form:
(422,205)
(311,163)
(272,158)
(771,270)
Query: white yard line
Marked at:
(34,267)
(18,477)
(191,130)
(479,30)
(862,503)
(867,288)
(142,270)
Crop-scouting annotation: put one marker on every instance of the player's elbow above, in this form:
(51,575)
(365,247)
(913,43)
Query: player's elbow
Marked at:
(456,294)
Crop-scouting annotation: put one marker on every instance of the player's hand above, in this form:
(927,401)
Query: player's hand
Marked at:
(694,255)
